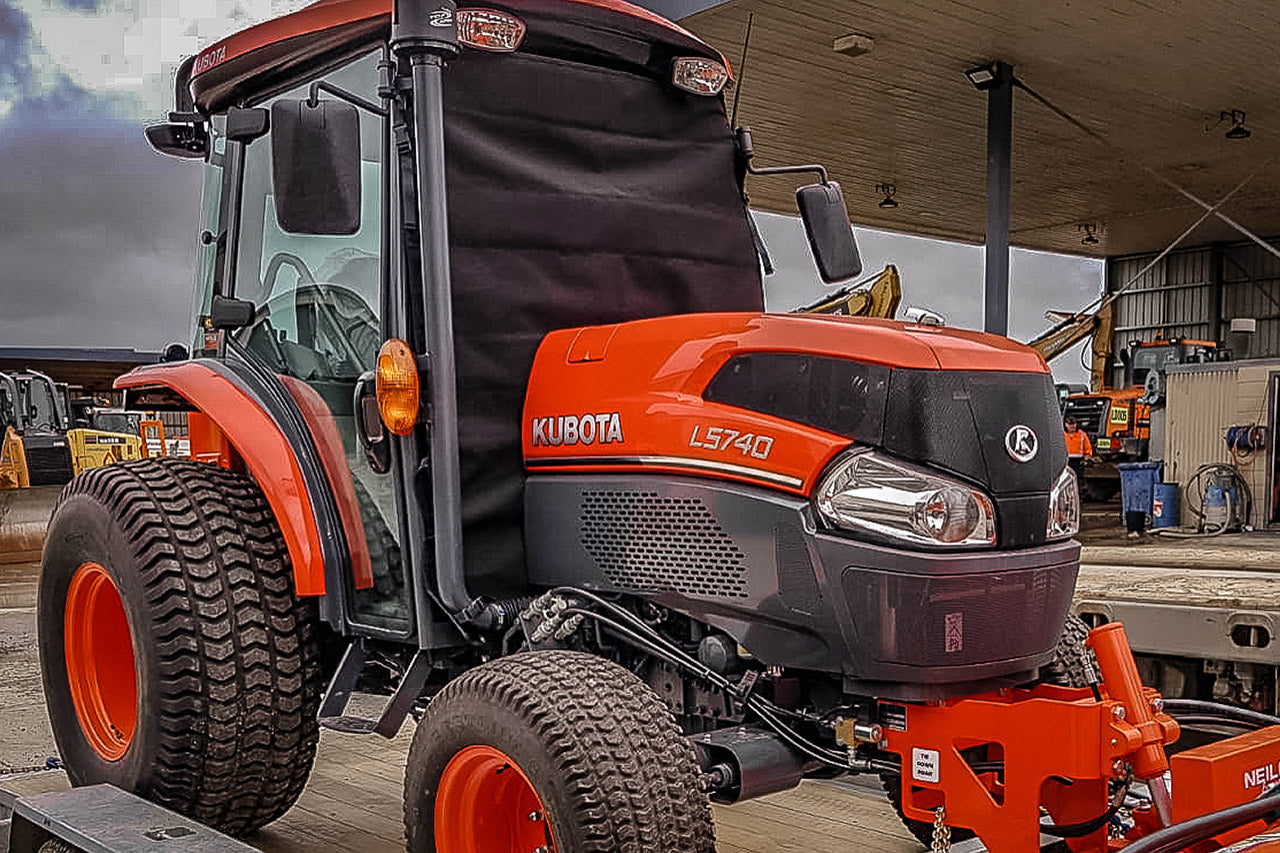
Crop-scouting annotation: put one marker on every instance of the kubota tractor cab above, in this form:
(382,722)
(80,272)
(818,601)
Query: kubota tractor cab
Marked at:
(494,425)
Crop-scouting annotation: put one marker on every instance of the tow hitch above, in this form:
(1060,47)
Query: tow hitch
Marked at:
(1087,765)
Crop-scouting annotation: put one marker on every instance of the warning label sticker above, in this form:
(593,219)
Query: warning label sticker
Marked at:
(954,632)
(924,765)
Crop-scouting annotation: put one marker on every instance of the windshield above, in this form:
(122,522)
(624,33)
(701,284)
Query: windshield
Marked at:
(8,404)
(317,295)
(117,422)
(42,411)
(1154,358)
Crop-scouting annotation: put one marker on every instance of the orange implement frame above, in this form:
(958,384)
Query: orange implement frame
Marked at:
(1042,735)
(153,430)
(991,763)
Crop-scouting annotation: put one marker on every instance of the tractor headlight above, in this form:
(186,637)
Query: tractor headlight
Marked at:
(1064,507)
(867,492)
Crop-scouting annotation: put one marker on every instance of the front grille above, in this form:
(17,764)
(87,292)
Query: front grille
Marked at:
(49,466)
(958,619)
(647,541)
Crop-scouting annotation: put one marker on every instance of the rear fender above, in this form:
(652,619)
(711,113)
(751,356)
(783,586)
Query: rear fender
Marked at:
(257,439)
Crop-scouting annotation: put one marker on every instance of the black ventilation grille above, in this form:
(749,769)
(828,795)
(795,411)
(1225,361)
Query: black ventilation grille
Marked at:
(649,541)
(49,466)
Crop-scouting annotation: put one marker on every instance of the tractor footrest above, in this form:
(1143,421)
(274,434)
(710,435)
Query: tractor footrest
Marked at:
(349,725)
(105,819)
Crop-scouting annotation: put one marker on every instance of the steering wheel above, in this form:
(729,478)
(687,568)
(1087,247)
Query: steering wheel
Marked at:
(339,333)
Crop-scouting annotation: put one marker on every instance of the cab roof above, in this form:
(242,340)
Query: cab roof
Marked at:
(280,53)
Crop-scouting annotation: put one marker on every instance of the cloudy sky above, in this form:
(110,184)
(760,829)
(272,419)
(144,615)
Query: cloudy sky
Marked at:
(97,232)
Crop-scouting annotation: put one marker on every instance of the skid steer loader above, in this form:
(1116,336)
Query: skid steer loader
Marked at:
(494,424)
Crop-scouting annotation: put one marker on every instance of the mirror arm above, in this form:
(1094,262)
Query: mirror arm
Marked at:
(355,100)
(747,151)
(812,169)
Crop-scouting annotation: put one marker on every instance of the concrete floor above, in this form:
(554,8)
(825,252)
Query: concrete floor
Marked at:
(25,738)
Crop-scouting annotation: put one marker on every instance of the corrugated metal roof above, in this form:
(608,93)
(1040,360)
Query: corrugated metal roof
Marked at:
(1151,77)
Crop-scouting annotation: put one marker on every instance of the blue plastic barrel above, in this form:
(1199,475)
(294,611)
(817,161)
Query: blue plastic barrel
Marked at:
(1137,485)
(1165,505)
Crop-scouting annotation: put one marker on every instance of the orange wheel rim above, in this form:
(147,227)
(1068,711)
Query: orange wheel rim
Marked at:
(99,651)
(486,804)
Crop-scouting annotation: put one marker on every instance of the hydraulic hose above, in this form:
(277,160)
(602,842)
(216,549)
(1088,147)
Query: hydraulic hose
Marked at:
(1198,707)
(1183,835)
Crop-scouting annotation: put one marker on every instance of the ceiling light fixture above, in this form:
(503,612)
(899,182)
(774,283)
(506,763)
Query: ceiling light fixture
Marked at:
(984,76)
(854,44)
(888,189)
(1237,130)
(1090,230)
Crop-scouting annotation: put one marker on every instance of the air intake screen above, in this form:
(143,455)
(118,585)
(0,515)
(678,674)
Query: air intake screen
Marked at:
(648,541)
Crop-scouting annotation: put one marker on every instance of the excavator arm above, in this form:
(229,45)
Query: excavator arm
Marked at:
(1070,329)
(877,296)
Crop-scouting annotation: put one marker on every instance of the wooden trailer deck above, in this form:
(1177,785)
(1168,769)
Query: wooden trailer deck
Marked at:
(353,803)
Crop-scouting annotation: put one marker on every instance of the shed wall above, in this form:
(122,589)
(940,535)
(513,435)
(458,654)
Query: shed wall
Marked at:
(1202,404)
(1195,293)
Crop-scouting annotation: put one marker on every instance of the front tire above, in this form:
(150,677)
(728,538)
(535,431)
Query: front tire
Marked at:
(178,663)
(558,750)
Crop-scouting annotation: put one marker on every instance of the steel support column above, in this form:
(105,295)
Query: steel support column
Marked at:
(1216,275)
(999,147)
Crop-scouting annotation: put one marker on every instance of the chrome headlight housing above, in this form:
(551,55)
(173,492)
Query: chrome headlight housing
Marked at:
(1064,507)
(867,492)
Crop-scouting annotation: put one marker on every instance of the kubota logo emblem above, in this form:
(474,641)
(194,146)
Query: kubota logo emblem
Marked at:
(603,428)
(1021,442)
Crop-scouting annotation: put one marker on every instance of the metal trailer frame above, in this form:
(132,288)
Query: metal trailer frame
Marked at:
(103,819)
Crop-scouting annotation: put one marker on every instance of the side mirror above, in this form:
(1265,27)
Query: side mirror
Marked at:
(228,313)
(179,140)
(315,166)
(826,222)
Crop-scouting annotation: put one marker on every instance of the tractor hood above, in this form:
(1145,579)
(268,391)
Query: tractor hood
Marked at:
(772,399)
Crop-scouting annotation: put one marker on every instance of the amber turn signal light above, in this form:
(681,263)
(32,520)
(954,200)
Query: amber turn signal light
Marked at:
(397,387)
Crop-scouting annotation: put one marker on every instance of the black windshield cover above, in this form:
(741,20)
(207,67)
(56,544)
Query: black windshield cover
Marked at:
(578,195)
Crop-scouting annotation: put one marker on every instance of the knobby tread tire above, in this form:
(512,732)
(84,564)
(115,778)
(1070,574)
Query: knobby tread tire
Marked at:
(605,755)
(226,655)
(56,845)
(1073,664)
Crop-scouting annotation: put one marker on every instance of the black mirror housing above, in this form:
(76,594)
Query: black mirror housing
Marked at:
(826,223)
(315,166)
(228,313)
(188,141)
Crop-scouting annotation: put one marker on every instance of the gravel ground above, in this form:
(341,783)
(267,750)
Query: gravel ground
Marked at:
(25,738)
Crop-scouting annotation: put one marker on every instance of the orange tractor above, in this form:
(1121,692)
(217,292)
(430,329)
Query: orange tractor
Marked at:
(492,422)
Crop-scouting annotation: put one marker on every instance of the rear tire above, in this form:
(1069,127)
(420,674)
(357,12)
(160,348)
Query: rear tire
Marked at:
(181,567)
(594,748)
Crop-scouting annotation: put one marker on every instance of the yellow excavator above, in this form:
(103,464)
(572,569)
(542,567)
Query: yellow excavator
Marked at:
(1070,329)
(875,296)
(38,447)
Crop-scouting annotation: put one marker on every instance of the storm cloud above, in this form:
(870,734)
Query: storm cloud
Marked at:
(96,230)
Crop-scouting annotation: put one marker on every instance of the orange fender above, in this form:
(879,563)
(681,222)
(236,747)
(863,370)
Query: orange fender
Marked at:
(265,451)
